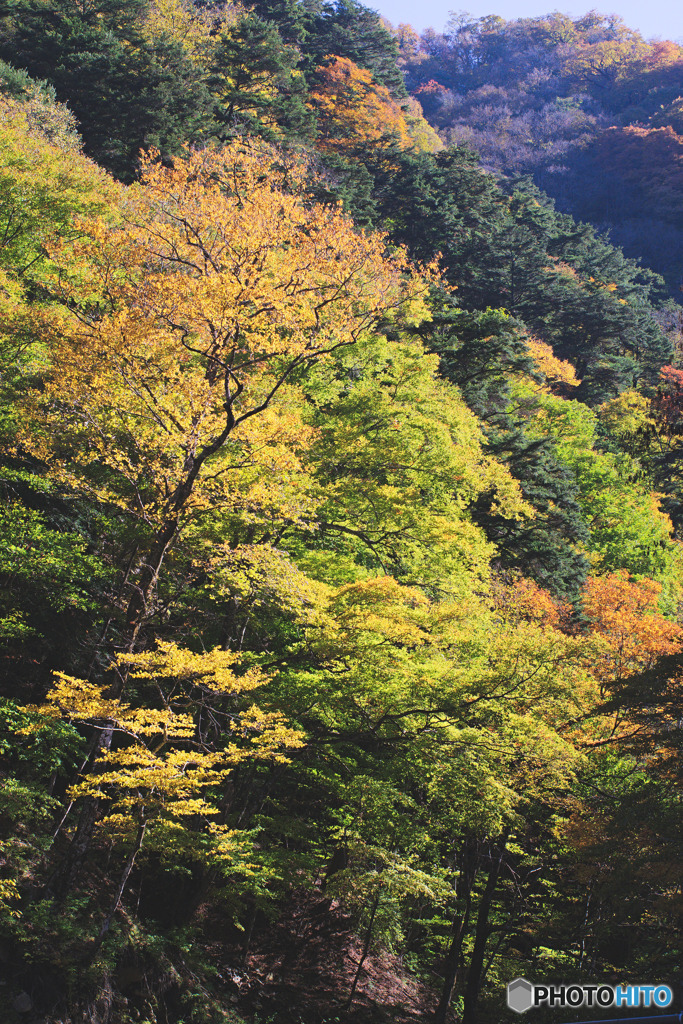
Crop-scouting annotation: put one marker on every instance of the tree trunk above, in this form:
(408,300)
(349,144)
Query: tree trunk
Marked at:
(460,922)
(366,946)
(137,846)
(138,606)
(66,874)
(481,936)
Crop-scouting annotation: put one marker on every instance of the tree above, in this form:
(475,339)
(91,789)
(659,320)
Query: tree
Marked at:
(182,326)
(292,17)
(127,90)
(254,78)
(37,207)
(387,430)
(483,354)
(658,436)
(352,111)
(45,184)
(154,778)
(626,526)
(36,102)
(461,711)
(624,613)
(356,33)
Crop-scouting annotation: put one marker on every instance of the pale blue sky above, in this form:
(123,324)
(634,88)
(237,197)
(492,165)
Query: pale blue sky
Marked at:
(654,18)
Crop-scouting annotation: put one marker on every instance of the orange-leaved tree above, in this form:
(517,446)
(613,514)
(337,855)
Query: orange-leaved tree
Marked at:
(638,665)
(352,109)
(624,614)
(639,669)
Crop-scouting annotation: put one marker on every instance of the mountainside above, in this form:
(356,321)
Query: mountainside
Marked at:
(586,106)
(341,607)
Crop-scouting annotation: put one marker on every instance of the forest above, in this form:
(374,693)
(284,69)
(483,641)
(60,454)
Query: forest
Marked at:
(586,107)
(341,519)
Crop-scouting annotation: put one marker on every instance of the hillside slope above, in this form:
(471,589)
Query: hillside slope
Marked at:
(341,628)
(586,106)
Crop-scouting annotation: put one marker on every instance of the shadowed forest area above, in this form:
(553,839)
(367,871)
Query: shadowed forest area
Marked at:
(341,604)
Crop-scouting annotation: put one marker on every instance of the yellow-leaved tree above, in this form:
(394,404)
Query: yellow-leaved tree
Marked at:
(171,396)
(152,775)
(170,392)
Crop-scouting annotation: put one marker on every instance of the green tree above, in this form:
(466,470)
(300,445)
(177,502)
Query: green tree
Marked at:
(483,353)
(348,29)
(127,91)
(254,77)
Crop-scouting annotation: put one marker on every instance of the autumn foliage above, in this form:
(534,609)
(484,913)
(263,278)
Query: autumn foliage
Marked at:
(340,524)
(208,295)
(353,110)
(624,613)
(667,404)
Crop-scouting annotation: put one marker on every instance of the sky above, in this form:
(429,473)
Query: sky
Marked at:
(661,19)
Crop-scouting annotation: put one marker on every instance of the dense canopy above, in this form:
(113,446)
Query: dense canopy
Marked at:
(341,605)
